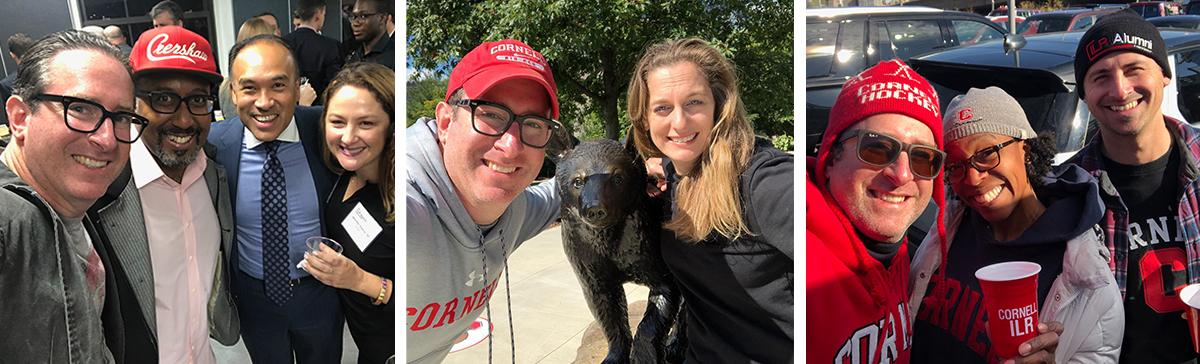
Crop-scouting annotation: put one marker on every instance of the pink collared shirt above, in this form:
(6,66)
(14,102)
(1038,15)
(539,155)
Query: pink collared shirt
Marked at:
(184,235)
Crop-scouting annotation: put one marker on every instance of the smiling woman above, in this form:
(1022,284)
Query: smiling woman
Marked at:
(1012,207)
(731,196)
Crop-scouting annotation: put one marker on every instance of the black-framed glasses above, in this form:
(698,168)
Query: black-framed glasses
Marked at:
(982,161)
(168,102)
(493,119)
(358,17)
(880,150)
(85,116)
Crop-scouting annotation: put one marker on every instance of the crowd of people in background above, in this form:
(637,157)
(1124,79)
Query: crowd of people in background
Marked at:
(140,222)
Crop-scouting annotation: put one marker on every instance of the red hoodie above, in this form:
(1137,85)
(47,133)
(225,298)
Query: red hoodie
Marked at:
(857,309)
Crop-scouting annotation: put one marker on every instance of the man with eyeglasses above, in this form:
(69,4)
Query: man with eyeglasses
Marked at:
(469,199)
(1146,164)
(276,181)
(72,117)
(879,163)
(167,218)
(368,23)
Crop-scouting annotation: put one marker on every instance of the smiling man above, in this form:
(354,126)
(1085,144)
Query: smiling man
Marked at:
(72,119)
(1147,166)
(167,218)
(469,198)
(272,150)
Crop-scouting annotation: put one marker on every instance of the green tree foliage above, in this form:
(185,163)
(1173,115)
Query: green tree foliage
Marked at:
(593,46)
(423,96)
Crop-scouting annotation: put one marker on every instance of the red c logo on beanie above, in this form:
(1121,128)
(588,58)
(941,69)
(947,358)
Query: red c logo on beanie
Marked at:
(965,114)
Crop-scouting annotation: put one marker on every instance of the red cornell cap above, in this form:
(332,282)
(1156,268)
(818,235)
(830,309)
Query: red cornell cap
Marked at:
(493,62)
(173,49)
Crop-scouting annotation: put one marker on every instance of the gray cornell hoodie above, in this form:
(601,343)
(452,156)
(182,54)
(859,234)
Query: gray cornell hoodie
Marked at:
(453,268)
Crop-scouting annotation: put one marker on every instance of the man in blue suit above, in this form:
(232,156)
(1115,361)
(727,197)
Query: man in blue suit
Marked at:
(272,152)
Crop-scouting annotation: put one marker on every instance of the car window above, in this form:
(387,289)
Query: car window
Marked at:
(970,32)
(820,39)
(1187,74)
(914,37)
(1193,9)
(850,58)
(1083,23)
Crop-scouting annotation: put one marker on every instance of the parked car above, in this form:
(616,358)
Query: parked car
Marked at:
(1003,11)
(1192,8)
(1154,9)
(1062,20)
(841,42)
(1177,21)
(1003,21)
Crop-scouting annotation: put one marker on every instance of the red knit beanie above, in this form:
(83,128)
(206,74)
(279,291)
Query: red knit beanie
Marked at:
(888,87)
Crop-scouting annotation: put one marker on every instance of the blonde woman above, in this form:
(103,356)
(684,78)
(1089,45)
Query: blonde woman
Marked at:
(728,237)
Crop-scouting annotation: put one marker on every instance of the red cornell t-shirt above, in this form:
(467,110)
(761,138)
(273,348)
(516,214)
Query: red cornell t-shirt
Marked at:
(857,308)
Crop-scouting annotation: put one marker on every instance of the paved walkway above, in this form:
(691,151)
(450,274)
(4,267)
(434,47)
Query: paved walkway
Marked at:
(549,314)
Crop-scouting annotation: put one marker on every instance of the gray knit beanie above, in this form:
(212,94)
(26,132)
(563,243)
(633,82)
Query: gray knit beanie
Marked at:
(989,110)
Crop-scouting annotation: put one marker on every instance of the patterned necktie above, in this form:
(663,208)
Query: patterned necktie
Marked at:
(275,229)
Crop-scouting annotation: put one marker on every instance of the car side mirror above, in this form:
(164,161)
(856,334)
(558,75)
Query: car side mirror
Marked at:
(1013,42)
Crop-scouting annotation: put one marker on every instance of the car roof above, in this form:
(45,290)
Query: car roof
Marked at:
(1054,52)
(836,12)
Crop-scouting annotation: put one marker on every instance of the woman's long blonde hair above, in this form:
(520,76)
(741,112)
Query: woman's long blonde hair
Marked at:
(707,199)
(380,81)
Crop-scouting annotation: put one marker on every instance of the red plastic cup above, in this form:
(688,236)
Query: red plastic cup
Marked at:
(1190,296)
(1010,297)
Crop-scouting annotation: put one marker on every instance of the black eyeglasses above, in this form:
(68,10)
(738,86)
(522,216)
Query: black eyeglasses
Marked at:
(492,119)
(982,161)
(358,17)
(881,151)
(85,116)
(168,102)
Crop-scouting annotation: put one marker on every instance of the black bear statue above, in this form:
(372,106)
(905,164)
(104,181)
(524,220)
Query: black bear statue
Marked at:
(610,230)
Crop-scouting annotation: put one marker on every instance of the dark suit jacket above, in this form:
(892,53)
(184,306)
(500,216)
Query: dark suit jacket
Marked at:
(225,147)
(319,56)
(119,220)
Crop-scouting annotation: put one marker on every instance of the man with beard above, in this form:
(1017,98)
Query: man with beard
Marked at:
(368,22)
(167,219)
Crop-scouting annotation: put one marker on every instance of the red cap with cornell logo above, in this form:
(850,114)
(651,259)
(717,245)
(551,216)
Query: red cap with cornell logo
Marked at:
(174,49)
(493,62)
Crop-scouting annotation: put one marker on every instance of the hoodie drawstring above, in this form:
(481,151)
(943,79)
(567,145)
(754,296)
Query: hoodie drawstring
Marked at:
(508,298)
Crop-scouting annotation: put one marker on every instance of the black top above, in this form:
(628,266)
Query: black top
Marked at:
(953,329)
(1156,331)
(364,318)
(320,58)
(384,52)
(6,89)
(738,294)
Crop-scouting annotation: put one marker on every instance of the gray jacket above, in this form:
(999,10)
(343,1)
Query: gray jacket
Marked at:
(1085,296)
(453,267)
(47,311)
(119,214)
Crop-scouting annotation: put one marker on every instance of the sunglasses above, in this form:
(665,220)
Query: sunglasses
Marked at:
(881,151)
(984,160)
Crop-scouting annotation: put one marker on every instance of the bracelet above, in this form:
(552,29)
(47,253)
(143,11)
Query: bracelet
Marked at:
(382,292)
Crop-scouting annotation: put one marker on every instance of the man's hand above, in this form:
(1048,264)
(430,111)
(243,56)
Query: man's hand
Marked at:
(307,94)
(656,183)
(1039,349)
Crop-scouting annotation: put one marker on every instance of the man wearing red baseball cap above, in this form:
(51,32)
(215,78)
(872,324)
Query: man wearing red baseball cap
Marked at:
(470,203)
(167,218)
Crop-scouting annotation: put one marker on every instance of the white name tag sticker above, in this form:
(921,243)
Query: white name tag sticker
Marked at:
(361,226)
